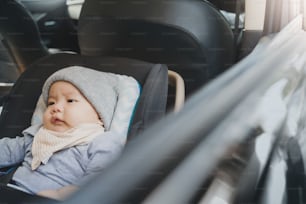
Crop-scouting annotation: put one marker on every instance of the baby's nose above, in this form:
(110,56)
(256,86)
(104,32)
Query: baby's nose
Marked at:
(57,108)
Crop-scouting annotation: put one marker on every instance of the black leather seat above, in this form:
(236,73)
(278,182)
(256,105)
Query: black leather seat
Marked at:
(20,34)
(8,70)
(190,36)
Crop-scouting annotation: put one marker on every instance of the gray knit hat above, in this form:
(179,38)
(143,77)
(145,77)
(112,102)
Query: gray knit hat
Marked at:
(99,88)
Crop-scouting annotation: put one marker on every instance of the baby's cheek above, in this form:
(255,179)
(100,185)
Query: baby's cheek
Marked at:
(45,118)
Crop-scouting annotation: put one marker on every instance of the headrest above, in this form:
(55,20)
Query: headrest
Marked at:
(128,92)
(190,36)
(191,19)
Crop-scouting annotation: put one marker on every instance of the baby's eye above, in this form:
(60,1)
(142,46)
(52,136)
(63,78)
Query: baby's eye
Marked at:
(50,103)
(71,100)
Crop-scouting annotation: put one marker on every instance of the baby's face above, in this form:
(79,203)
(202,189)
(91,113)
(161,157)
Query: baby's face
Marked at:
(67,108)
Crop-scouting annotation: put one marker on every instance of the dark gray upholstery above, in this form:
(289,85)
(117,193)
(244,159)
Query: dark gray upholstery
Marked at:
(8,70)
(20,33)
(190,36)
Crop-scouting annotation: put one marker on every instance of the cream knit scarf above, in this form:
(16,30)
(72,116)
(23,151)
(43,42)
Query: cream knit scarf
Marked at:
(47,142)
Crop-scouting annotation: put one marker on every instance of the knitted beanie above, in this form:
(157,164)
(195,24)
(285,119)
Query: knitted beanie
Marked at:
(99,88)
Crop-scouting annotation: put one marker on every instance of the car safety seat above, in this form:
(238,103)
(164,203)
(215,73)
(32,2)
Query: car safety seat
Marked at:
(20,104)
(21,101)
(190,36)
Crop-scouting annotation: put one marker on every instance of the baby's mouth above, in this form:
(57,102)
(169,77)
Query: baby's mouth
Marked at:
(56,121)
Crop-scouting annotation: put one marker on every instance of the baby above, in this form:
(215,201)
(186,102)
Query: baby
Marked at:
(74,142)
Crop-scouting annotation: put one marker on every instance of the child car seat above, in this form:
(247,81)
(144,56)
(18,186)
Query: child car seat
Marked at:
(21,101)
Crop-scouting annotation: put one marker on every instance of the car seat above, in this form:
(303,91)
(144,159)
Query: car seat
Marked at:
(20,104)
(21,101)
(20,34)
(8,71)
(190,36)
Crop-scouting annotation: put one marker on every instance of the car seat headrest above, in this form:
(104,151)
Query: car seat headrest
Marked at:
(191,36)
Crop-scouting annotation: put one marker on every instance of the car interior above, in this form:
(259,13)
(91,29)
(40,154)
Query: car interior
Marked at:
(220,114)
(203,55)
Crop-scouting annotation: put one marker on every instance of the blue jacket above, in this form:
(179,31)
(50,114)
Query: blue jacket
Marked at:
(71,166)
